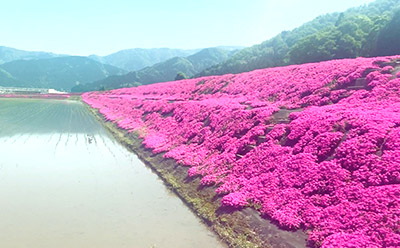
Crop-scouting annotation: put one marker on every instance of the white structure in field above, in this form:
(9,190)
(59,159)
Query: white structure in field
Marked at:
(53,91)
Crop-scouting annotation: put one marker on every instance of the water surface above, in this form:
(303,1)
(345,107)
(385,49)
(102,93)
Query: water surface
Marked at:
(65,182)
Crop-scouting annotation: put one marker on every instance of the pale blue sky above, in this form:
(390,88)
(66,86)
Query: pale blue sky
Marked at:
(83,27)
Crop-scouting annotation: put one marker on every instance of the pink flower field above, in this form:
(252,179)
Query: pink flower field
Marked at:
(313,147)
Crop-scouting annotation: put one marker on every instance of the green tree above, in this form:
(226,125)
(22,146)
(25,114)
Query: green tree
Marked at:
(370,45)
(345,39)
(389,37)
(180,76)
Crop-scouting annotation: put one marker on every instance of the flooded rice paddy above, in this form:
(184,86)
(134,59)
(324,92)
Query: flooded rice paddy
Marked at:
(65,182)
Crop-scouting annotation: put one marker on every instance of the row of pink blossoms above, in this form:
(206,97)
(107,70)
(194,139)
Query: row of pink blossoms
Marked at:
(313,146)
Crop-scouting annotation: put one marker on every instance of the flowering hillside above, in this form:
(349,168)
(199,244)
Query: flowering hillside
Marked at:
(313,146)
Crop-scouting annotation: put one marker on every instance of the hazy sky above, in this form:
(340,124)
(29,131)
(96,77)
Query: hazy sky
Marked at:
(83,27)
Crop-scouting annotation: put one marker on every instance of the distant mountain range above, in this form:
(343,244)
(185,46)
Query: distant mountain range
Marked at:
(138,58)
(161,72)
(8,54)
(61,73)
(369,30)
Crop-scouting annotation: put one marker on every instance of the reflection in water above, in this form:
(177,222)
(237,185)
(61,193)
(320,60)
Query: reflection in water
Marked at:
(67,183)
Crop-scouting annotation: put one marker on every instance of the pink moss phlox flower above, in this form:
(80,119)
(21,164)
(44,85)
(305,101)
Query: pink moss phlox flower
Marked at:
(313,146)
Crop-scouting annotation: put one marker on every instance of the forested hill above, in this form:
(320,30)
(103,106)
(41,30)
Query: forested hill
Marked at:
(369,30)
(59,73)
(161,72)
